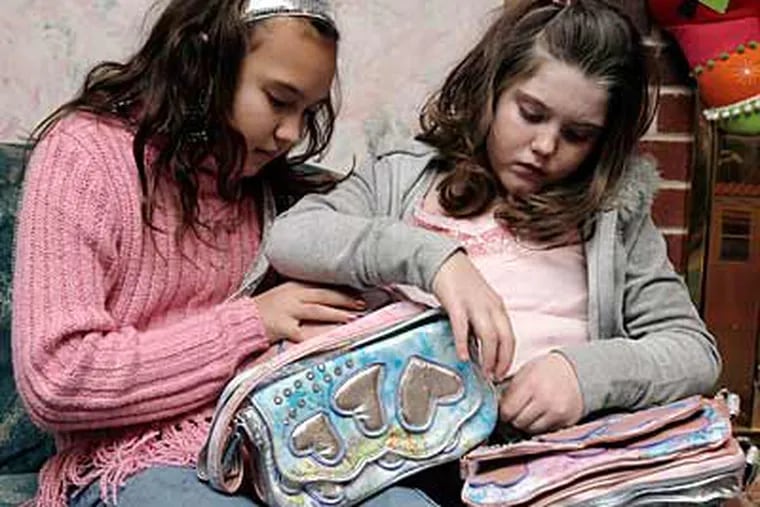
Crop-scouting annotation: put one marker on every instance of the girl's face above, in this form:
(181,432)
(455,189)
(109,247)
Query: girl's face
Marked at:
(288,72)
(545,127)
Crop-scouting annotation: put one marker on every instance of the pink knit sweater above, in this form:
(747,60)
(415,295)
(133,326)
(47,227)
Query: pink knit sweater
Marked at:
(121,343)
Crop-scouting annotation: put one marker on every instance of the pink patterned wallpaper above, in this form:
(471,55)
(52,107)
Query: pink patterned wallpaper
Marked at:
(394,53)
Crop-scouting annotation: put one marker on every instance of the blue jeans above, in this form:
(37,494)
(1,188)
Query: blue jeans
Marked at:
(179,487)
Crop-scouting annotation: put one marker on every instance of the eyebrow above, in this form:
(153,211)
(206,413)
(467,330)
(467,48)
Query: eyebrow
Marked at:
(522,95)
(288,87)
(292,89)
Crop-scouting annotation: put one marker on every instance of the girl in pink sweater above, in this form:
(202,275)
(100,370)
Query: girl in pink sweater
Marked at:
(139,287)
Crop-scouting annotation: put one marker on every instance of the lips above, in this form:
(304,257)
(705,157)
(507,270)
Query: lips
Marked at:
(530,172)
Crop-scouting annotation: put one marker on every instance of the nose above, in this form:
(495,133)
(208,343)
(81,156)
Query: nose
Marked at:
(545,141)
(288,130)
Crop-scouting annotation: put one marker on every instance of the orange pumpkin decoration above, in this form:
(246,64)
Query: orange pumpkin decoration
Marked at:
(723,50)
(730,78)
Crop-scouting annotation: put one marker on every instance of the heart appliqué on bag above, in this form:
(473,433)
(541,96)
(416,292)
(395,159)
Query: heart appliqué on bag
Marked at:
(316,438)
(424,386)
(359,398)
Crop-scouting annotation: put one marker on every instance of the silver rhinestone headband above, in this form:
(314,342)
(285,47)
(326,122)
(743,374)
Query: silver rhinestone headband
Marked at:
(256,10)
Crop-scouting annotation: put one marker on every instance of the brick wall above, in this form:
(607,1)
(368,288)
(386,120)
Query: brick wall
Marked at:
(671,137)
(671,141)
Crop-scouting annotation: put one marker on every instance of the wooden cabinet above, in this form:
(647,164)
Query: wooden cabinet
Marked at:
(731,267)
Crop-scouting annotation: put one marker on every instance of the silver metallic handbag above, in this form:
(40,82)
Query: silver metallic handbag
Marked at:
(337,418)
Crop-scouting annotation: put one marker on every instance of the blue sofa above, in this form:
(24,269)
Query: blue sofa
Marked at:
(23,447)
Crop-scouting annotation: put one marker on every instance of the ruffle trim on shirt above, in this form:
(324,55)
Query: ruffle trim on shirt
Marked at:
(112,461)
(478,237)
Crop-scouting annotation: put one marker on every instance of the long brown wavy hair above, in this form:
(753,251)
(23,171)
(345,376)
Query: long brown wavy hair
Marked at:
(593,36)
(176,93)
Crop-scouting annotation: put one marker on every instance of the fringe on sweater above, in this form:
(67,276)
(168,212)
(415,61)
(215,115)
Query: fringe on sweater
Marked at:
(110,462)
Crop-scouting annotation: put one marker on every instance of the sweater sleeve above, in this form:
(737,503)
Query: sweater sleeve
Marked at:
(75,365)
(667,353)
(355,234)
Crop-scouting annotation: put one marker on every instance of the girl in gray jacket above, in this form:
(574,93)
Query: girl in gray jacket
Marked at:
(523,210)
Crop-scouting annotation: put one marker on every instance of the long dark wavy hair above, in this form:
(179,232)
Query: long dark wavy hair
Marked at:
(593,36)
(182,83)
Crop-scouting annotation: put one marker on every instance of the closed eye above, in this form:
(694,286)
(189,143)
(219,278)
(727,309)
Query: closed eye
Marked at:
(532,116)
(580,135)
(278,102)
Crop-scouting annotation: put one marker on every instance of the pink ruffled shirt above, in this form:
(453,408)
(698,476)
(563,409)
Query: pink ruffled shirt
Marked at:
(545,290)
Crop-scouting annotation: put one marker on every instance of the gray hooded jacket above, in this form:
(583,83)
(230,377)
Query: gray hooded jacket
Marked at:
(647,342)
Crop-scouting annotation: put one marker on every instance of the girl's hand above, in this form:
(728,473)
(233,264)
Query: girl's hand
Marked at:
(285,308)
(474,306)
(544,395)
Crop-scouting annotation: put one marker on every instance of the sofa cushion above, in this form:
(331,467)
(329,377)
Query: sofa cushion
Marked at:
(17,488)
(23,447)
